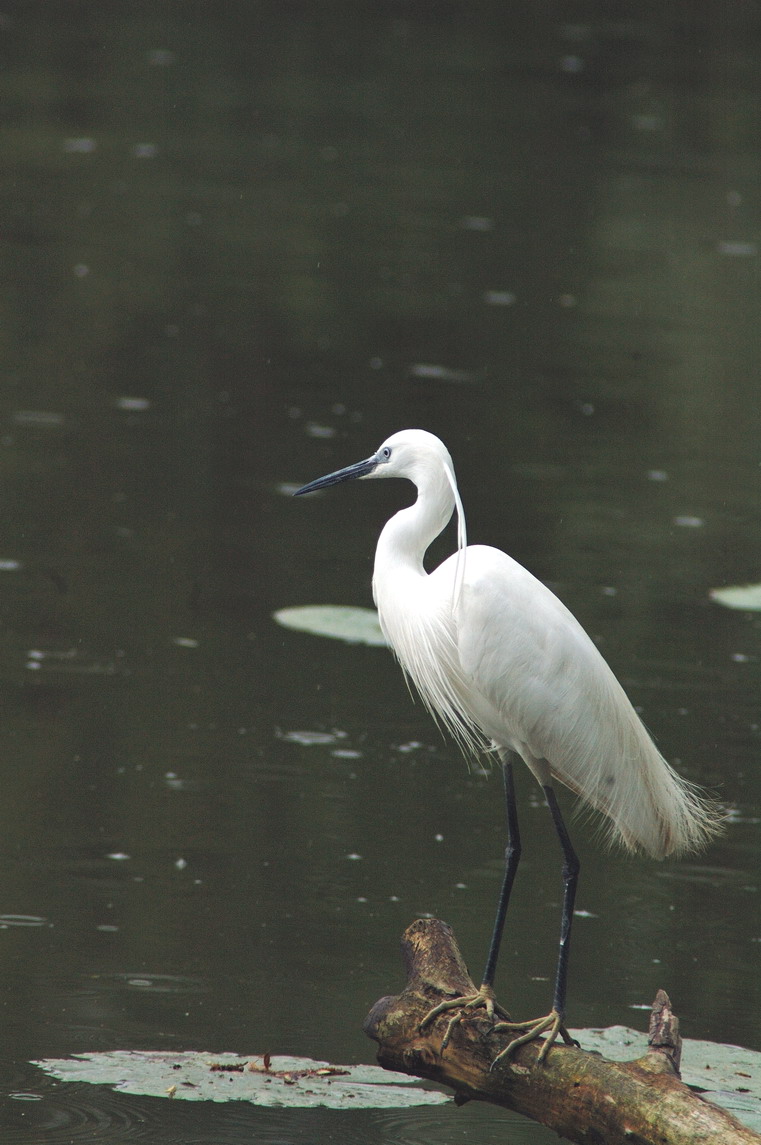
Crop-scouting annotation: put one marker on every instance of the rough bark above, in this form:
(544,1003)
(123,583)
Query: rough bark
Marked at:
(580,1095)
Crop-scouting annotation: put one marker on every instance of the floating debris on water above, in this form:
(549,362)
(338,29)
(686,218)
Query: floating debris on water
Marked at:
(7,920)
(736,248)
(310,738)
(159,57)
(440,373)
(312,429)
(79,145)
(71,661)
(46,419)
(132,404)
(477,223)
(499,298)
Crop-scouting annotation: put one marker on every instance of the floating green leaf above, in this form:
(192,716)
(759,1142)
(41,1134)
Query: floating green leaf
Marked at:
(339,621)
(277,1081)
(746,597)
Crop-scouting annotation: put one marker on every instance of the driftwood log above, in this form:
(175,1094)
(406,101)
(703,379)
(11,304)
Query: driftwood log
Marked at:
(580,1095)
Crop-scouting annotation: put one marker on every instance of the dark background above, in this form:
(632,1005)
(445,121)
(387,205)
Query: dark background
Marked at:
(240,245)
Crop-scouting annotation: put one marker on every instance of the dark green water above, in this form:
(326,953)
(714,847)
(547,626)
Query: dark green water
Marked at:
(241,247)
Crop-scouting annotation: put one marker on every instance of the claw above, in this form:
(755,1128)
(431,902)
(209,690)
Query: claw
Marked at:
(466,1004)
(551,1024)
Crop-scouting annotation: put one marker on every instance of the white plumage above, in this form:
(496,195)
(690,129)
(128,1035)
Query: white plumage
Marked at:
(498,658)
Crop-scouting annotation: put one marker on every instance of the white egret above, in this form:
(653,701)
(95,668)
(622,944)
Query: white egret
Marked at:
(501,663)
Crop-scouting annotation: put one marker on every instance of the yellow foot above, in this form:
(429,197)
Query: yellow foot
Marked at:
(551,1025)
(466,1004)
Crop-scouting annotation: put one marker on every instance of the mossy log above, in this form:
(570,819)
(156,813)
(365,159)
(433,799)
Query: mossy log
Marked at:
(580,1095)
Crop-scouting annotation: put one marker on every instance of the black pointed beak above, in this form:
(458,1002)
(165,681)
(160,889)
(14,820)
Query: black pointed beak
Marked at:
(359,469)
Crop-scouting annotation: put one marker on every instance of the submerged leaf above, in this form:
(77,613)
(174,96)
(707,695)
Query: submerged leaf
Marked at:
(339,621)
(267,1080)
(743,596)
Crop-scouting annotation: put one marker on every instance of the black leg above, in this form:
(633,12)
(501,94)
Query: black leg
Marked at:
(551,1025)
(512,858)
(570,880)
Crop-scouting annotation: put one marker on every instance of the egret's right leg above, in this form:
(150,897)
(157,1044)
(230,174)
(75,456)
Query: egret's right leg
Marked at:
(484,999)
(551,1024)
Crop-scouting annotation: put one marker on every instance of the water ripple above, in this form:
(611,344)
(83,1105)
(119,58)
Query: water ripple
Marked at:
(77,1113)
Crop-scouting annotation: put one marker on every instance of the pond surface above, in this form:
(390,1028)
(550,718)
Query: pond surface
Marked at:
(241,247)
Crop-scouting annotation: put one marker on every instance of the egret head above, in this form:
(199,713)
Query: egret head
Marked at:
(411,453)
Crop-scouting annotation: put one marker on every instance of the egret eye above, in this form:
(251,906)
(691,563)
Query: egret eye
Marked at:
(385,453)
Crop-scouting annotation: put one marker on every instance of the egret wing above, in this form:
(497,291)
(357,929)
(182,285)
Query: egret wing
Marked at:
(539,686)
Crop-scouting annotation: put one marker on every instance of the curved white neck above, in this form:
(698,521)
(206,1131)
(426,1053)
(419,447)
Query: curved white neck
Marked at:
(406,536)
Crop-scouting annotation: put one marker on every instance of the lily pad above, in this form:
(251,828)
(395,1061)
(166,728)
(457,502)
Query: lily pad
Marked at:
(339,621)
(746,597)
(277,1081)
(729,1076)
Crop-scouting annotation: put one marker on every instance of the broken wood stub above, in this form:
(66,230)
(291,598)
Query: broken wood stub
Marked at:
(580,1095)
(663,1033)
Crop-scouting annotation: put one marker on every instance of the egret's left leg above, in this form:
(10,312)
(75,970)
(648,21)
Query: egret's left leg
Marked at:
(552,1023)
